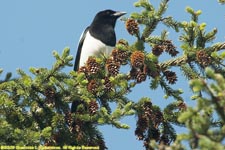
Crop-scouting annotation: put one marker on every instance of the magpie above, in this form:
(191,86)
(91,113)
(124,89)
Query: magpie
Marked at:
(97,39)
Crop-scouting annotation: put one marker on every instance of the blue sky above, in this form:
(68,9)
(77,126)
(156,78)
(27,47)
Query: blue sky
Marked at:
(31,30)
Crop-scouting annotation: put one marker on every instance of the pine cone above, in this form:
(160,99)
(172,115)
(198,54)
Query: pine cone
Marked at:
(137,59)
(77,124)
(50,94)
(133,73)
(142,125)
(93,107)
(83,69)
(132,26)
(170,48)
(157,119)
(171,76)
(92,87)
(203,58)
(157,50)
(141,76)
(119,56)
(107,84)
(143,122)
(112,67)
(147,106)
(155,133)
(139,133)
(92,66)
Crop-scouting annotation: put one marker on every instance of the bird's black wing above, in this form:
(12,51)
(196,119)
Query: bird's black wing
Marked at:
(77,60)
(76,65)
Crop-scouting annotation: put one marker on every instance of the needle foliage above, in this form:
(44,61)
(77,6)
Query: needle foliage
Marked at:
(35,107)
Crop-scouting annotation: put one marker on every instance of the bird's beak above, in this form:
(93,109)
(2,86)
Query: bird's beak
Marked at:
(119,13)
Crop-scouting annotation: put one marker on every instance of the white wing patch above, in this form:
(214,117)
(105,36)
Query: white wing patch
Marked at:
(93,47)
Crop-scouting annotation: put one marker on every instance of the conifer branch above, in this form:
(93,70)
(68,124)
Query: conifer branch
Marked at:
(35,109)
(169,91)
(188,72)
(174,62)
(218,46)
(216,100)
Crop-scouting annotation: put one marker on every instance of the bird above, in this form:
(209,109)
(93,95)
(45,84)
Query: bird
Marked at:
(97,39)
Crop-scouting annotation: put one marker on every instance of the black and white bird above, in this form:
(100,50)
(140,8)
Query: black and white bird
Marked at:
(97,39)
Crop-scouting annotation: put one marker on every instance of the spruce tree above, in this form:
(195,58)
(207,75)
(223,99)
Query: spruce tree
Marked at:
(35,109)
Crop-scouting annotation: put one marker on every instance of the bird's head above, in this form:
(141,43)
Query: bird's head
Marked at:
(108,17)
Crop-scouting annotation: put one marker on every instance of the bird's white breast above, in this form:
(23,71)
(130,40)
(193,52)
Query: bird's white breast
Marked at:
(93,47)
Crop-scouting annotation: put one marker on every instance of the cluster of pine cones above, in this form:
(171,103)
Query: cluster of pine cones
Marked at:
(148,125)
(98,74)
(139,70)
